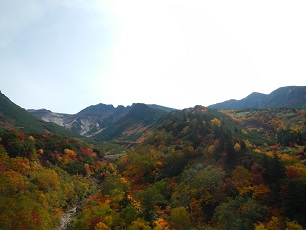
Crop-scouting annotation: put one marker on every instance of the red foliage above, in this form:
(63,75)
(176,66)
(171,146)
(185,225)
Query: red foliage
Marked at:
(278,212)
(36,218)
(94,222)
(124,160)
(283,191)
(21,187)
(257,172)
(292,173)
(22,136)
(257,178)
(257,168)
(2,168)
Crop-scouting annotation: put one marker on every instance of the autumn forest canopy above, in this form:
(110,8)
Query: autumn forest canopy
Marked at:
(191,169)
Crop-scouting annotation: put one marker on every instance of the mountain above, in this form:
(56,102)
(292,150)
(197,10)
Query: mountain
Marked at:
(200,124)
(49,116)
(190,170)
(88,121)
(91,120)
(167,109)
(284,97)
(139,119)
(14,117)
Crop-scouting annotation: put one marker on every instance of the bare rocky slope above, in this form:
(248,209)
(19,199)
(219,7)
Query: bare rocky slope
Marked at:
(88,121)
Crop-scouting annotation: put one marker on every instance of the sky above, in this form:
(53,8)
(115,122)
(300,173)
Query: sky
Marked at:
(65,55)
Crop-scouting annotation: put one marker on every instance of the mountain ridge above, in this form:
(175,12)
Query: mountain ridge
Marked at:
(13,116)
(91,120)
(283,97)
(129,128)
(86,122)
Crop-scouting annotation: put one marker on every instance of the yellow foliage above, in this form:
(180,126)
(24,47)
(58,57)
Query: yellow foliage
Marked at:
(244,132)
(111,167)
(297,128)
(257,150)
(108,220)
(242,179)
(260,191)
(41,151)
(243,190)
(22,165)
(124,180)
(47,179)
(191,149)
(270,154)
(260,226)
(248,144)
(70,153)
(237,147)
(274,224)
(101,226)
(293,225)
(216,122)
(141,224)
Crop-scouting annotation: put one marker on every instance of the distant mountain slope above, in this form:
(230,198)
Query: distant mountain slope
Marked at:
(88,121)
(167,109)
(49,116)
(284,97)
(140,118)
(12,116)
(270,122)
(91,120)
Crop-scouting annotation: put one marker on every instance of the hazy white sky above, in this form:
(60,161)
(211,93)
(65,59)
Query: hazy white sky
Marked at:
(65,55)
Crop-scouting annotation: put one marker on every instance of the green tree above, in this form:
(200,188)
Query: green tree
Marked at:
(180,218)
(148,198)
(203,185)
(129,214)
(240,213)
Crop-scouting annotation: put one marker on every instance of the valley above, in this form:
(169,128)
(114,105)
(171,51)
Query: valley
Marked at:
(152,167)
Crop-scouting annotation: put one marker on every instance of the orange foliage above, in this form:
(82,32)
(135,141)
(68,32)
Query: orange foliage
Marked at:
(216,122)
(40,151)
(237,147)
(260,191)
(161,224)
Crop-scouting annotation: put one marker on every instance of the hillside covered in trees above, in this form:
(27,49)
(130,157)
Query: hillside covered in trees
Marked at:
(194,169)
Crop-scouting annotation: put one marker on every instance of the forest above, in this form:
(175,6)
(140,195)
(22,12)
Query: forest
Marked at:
(197,169)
